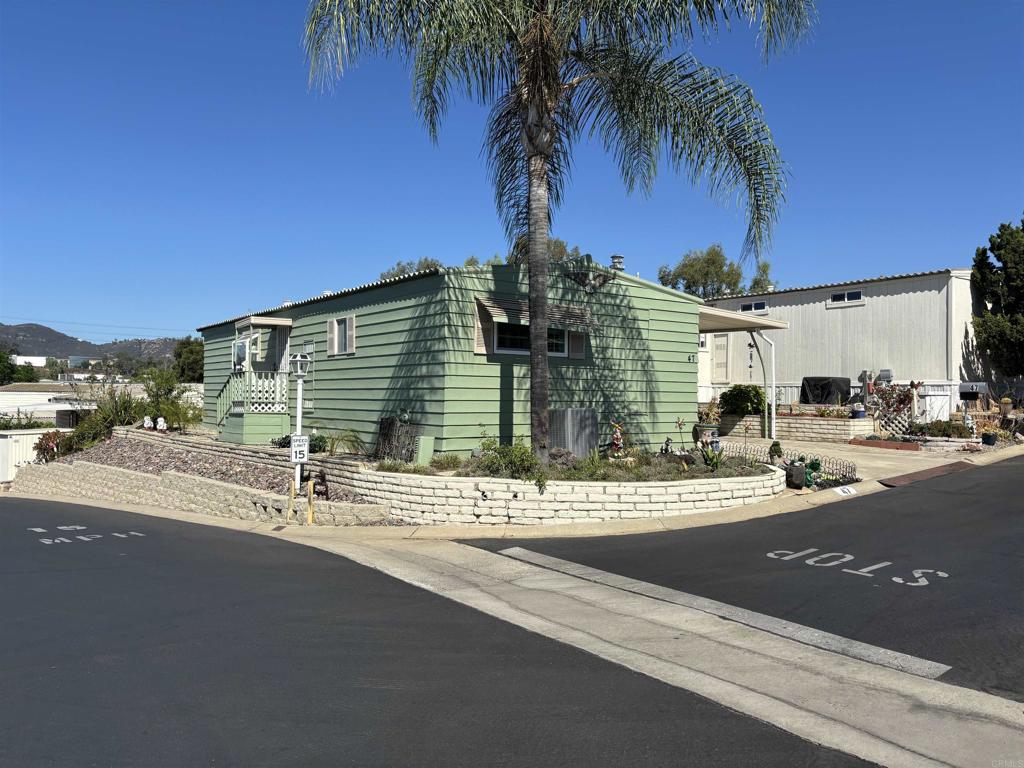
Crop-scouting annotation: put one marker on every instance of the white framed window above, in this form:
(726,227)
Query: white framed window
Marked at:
(853,297)
(513,339)
(720,358)
(341,335)
(758,307)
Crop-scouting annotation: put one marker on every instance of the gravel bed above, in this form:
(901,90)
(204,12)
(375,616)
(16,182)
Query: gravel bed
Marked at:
(153,459)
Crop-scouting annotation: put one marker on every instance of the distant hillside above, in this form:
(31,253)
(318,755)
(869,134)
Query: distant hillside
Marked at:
(34,339)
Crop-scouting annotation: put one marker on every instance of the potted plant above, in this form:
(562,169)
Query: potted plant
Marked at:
(708,419)
(989,434)
(775,452)
(796,474)
(1005,406)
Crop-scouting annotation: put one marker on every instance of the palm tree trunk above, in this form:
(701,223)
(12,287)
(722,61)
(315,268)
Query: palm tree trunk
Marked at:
(538,275)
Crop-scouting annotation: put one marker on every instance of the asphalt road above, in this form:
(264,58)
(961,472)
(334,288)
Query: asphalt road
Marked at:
(189,645)
(968,525)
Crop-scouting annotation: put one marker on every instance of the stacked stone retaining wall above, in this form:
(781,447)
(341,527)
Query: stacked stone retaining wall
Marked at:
(809,428)
(432,499)
(187,493)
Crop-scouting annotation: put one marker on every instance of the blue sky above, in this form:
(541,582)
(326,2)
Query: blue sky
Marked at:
(163,165)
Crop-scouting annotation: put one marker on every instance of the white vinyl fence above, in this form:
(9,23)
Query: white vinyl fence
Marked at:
(17,449)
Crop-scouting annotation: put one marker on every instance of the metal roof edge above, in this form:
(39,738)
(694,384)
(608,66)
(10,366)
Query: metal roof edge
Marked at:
(879,279)
(332,295)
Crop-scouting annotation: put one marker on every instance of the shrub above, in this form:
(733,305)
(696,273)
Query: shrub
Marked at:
(775,450)
(408,469)
(181,414)
(561,458)
(516,459)
(161,387)
(317,442)
(445,461)
(833,412)
(743,400)
(710,413)
(21,421)
(941,429)
(47,447)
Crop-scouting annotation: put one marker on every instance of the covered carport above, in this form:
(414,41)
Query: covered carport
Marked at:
(715,320)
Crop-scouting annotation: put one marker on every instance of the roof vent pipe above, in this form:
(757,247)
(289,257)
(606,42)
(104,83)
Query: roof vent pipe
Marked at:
(618,262)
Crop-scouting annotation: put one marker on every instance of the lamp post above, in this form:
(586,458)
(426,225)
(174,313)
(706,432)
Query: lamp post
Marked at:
(299,365)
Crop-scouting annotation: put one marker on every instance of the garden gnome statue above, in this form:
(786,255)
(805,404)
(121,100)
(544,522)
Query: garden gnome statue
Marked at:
(616,446)
(147,423)
(161,425)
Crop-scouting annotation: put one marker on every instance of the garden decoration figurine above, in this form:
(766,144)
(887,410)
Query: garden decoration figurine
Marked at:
(667,447)
(617,443)
(161,424)
(775,453)
(147,423)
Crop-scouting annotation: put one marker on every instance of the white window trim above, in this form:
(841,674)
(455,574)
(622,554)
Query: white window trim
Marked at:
(754,311)
(506,351)
(829,304)
(340,339)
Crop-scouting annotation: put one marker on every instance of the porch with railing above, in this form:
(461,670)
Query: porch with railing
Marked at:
(253,392)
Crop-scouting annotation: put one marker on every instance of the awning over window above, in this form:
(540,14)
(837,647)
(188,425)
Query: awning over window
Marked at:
(517,312)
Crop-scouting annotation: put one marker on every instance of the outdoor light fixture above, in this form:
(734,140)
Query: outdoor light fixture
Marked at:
(299,364)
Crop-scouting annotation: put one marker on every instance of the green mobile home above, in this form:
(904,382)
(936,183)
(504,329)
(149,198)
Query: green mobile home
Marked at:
(448,347)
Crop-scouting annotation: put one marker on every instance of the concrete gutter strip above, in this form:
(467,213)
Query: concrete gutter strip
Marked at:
(807,635)
(880,714)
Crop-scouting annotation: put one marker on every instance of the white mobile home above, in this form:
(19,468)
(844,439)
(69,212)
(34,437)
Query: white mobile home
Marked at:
(916,325)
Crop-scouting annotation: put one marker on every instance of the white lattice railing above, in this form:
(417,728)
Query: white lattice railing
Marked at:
(253,392)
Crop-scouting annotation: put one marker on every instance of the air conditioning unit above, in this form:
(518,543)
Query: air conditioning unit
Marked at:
(574,429)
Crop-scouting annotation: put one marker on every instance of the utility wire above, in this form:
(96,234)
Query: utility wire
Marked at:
(98,325)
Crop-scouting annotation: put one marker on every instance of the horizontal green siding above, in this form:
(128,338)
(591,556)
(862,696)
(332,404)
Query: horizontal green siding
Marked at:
(216,368)
(637,370)
(415,351)
(398,362)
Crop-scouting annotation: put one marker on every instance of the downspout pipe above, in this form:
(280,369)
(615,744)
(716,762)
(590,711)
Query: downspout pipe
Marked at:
(771,393)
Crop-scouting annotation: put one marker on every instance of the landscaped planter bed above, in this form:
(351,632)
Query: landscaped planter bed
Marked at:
(435,499)
(894,445)
(798,427)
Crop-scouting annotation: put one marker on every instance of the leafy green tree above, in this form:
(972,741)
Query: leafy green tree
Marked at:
(7,366)
(24,374)
(998,282)
(707,274)
(162,389)
(55,367)
(494,261)
(558,251)
(403,268)
(556,73)
(762,281)
(188,359)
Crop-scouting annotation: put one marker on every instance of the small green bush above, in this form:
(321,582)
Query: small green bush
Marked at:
(317,443)
(19,420)
(406,469)
(940,428)
(445,461)
(742,400)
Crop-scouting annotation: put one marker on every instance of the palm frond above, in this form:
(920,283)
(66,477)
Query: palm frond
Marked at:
(507,161)
(708,124)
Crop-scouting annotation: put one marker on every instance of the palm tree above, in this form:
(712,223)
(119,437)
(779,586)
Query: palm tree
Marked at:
(557,71)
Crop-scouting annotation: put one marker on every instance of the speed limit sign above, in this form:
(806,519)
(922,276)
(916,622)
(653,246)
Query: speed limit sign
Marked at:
(300,449)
